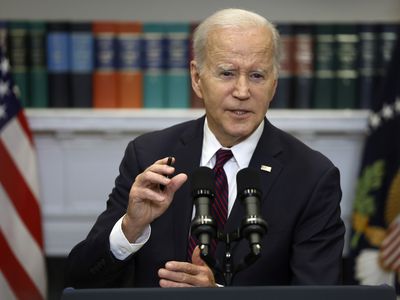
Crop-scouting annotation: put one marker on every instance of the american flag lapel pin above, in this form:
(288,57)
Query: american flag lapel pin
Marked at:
(266,168)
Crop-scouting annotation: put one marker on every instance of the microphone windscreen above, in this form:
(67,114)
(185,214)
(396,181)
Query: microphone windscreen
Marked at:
(247,178)
(203,179)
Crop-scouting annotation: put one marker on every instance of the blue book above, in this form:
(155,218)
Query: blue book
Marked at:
(58,64)
(81,51)
(177,65)
(154,58)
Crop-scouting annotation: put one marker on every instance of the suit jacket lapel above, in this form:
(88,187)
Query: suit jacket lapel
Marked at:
(268,148)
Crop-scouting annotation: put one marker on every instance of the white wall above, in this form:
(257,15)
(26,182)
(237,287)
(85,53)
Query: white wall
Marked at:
(193,10)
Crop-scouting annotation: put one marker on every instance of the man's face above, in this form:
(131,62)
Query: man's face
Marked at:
(237,82)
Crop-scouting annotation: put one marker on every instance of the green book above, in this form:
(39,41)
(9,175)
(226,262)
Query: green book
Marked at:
(347,71)
(324,67)
(177,65)
(154,65)
(37,59)
(18,54)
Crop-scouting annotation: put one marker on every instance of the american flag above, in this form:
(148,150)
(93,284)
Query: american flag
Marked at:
(22,264)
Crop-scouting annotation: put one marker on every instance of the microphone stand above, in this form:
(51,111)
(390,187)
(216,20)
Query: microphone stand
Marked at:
(228,269)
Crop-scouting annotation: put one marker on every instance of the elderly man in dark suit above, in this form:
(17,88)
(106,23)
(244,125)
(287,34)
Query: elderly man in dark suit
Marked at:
(142,238)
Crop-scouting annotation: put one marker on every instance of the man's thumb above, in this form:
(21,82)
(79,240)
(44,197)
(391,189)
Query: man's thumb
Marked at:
(196,259)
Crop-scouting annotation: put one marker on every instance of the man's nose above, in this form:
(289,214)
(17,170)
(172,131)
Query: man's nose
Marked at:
(242,88)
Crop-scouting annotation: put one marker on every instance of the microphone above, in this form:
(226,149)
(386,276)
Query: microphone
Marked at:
(203,225)
(253,226)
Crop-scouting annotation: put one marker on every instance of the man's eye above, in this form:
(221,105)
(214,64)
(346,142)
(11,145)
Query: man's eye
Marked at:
(257,76)
(226,73)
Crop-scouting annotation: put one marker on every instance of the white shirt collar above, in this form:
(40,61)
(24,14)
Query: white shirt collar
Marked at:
(242,152)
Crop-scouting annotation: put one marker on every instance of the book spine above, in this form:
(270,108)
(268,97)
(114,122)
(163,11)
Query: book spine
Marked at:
(129,73)
(37,62)
(18,53)
(154,65)
(368,54)
(177,66)
(388,34)
(324,67)
(104,75)
(81,53)
(3,36)
(284,89)
(303,61)
(58,64)
(347,72)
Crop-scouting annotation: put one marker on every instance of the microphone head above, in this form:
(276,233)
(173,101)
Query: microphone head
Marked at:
(248,179)
(203,182)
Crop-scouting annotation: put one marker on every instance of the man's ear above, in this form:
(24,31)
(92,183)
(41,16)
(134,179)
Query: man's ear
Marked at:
(195,76)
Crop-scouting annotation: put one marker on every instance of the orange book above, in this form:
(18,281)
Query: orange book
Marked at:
(104,75)
(129,72)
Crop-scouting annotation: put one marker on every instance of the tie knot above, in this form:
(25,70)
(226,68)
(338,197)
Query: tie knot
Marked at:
(222,157)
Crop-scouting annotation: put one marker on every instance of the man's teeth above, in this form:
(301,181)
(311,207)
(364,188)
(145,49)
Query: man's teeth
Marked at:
(239,112)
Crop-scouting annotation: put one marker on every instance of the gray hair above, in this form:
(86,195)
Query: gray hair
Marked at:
(232,17)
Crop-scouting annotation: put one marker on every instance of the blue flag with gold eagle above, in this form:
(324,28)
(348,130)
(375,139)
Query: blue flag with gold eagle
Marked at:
(375,238)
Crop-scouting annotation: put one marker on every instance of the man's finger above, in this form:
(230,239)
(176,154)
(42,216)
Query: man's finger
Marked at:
(196,259)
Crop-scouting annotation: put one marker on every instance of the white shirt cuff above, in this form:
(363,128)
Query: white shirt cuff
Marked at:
(119,244)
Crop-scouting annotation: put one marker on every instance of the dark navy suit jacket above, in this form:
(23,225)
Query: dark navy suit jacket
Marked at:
(300,202)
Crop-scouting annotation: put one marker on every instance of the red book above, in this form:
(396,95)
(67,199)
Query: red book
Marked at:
(129,72)
(104,75)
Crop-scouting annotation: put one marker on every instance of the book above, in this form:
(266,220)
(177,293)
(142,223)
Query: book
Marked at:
(303,65)
(347,73)
(387,37)
(3,35)
(58,64)
(129,73)
(283,94)
(81,53)
(105,73)
(18,55)
(38,84)
(367,64)
(177,77)
(324,67)
(154,58)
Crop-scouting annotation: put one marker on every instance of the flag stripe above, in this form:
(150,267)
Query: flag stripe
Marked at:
(20,241)
(24,124)
(393,232)
(393,255)
(23,200)
(5,289)
(20,149)
(21,284)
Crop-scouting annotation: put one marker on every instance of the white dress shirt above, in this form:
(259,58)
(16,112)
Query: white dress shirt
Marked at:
(242,153)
